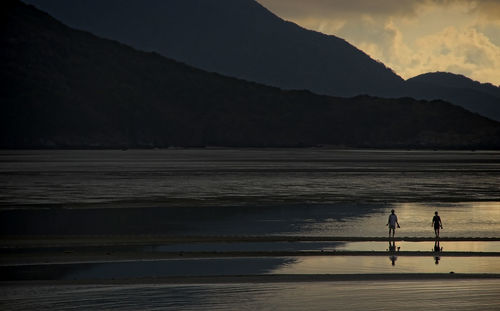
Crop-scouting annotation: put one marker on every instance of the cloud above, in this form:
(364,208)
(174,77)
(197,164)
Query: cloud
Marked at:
(489,9)
(464,51)
(337,8)
(411,37)
(384,42)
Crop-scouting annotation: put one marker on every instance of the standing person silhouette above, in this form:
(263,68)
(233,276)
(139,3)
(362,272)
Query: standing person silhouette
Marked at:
(436,222)
(392,222)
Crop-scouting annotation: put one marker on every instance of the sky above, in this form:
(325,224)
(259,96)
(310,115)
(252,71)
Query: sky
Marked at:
(410,36)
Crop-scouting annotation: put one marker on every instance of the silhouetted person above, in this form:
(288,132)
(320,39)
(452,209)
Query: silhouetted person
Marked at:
(392,222)
(436,222)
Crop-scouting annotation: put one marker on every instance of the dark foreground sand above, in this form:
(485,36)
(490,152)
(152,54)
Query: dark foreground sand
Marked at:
(236,294)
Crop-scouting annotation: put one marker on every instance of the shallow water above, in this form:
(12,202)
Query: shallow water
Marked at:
(249,192)
(247,176)
(392,263)
(472,219)
(475,246)
(255,192)
(352,295)
(467,246)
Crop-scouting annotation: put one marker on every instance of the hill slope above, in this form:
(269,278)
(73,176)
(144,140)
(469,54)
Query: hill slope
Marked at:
(483,98)
(239,38)
(67,88)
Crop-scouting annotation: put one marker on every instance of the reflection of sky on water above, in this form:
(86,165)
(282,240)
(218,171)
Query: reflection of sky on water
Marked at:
(444,295)
(382,264)
(472,219)
(448,246)
(467,246)
(253,265)
(245,247)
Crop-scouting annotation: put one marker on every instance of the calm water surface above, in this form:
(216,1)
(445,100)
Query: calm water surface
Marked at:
(467,246)
(231,191)
(246,176)
(252,266)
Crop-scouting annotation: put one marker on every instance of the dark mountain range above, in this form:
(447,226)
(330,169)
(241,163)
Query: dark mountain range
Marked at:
(68,88)
(240,38)
(483,98)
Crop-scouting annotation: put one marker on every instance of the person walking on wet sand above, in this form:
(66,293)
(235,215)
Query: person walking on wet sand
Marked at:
(392,222)
(436,222)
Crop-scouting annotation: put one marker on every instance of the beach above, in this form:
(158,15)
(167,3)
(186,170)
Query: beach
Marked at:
(253,229)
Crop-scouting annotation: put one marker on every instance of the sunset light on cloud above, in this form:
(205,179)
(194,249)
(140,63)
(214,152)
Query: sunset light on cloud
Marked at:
(411,37)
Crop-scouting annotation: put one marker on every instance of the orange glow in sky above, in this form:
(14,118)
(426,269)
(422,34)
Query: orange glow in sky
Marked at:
(411,37)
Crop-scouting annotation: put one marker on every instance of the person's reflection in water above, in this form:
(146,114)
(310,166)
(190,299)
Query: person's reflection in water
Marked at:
(437,249)
(392,250)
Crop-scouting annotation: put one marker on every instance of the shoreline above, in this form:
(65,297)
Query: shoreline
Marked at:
(263,278)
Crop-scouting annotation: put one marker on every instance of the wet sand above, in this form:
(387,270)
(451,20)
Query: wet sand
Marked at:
(265,293)
(148,240)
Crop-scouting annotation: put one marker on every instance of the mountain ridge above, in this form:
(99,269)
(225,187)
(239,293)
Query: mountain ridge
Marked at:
(65,88)
(483,98)
(449,79)
(241,38)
